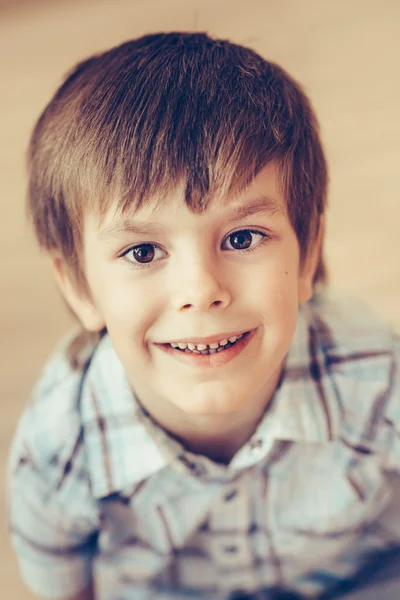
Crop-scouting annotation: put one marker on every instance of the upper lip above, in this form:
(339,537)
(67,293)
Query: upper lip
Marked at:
(208,339)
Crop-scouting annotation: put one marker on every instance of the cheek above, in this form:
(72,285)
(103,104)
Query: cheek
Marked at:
(128,309)
(273,295)
(274,287)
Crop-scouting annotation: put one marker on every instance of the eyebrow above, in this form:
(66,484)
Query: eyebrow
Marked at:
(265,205)
(261,205)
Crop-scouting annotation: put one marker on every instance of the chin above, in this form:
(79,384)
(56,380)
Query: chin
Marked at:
(209,408)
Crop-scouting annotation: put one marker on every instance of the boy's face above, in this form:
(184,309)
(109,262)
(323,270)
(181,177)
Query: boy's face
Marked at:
(184,277)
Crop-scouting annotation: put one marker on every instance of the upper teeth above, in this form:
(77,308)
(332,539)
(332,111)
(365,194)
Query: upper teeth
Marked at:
(213,346)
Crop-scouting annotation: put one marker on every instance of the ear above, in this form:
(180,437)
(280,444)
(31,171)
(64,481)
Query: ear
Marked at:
(79,301)
(307,272)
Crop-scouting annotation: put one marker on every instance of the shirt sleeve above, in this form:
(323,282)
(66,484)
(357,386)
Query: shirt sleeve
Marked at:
(391,417)
(52,517)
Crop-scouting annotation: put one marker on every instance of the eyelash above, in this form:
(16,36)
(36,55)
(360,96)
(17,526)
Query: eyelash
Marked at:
(138,265)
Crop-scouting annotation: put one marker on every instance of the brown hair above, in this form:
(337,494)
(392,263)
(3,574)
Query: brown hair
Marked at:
(134,121)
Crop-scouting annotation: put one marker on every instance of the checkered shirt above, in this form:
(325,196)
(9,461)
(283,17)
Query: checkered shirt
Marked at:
(97,491)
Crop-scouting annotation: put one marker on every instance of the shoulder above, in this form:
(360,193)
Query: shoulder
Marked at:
(361,354)
(50,427)
(53,518)
(346,325)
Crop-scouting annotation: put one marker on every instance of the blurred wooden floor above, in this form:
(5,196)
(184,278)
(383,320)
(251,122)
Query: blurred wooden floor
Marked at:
(347,55)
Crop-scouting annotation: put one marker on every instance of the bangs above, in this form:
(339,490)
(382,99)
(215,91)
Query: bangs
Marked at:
(202,118)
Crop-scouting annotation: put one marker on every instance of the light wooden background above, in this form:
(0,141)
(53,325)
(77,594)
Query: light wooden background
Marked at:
(346,53)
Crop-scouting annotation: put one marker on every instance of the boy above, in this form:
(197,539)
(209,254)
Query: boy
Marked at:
(226,428)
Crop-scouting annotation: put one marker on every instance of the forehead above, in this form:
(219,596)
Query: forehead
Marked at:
(262,196)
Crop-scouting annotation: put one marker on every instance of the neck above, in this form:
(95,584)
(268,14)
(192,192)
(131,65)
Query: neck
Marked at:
(217,436)
(220,445)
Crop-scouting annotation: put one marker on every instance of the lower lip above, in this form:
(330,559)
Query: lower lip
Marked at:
(217,359)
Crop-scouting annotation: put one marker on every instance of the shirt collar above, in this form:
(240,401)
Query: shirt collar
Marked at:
(124,446)
(305,407)
(119,449)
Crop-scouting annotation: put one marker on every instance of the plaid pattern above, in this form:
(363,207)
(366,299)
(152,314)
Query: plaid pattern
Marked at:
(97,489)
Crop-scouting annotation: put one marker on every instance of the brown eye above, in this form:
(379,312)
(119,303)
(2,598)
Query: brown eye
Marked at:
(245,240)
(143,254)
(241,240)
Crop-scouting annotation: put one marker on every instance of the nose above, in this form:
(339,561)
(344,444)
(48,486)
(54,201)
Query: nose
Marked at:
(200,285)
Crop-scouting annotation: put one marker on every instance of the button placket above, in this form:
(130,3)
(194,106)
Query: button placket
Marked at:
(229,526)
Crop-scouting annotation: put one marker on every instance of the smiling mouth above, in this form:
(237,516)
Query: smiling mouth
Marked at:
(213,348)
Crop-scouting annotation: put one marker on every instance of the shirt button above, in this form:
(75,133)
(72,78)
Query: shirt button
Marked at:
(256,445)
(198,469)
(230,549)
(230,495)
